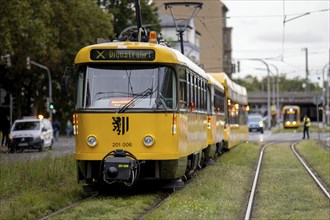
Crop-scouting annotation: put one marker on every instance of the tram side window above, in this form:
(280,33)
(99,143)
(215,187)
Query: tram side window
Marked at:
(80,89)
(233,114)
(168,87)
(219,101)
(195,91)
(205,87)
(208,100)
(198,86)
(182,89)
(242,116)
(191,89)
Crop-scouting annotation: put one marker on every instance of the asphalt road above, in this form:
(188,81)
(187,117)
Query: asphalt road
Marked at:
(65,145)
(268,136)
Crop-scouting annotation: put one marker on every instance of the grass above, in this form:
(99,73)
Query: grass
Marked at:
(30,189)
(318,158)
(110,207)
(285,189)
(219,191)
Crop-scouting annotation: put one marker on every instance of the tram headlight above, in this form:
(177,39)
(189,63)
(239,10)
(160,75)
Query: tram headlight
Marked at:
(294,122)
(91,141)
(148,140)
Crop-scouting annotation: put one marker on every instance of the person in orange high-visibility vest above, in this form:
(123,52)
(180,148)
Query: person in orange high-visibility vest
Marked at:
(307,124)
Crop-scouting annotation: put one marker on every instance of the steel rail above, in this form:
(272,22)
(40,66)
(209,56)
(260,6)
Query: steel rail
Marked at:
(254,186)
(68,207)
(310,172)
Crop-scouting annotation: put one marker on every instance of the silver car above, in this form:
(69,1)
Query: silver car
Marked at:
(256,123)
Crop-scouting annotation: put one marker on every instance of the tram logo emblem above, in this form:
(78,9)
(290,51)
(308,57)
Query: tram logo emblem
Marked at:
(120,125)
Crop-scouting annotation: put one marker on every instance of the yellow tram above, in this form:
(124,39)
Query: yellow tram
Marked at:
(146,112)
(236,129)
(291,116)
(141,113)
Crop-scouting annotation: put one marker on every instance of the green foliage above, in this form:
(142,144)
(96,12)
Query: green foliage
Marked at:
(252,84)
(50,33)
(124,14)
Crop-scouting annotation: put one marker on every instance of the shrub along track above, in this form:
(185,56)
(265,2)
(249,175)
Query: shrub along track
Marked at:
(252,207)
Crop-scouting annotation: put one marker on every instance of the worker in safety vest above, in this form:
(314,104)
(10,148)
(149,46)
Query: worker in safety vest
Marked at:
(307,124)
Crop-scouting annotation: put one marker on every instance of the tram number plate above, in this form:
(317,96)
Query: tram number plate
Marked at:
(123,144)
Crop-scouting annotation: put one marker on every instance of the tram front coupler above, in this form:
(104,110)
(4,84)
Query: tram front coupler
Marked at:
(120,166)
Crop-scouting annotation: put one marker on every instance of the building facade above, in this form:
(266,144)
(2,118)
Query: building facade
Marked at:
(212,36)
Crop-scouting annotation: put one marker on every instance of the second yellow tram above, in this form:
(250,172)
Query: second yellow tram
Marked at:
(291,116)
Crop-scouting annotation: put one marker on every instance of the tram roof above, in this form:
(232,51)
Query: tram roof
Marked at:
(163,54)
(236,92)
(213,81)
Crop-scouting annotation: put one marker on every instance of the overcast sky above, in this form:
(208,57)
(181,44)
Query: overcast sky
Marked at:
(258,32)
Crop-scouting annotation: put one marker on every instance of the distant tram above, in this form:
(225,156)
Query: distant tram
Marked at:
(291,116)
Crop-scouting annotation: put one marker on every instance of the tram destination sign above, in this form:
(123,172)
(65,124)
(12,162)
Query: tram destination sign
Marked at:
(122,54)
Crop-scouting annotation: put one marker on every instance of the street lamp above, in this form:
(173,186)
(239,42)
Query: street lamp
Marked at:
(268,90)
(277,91)
(29,62)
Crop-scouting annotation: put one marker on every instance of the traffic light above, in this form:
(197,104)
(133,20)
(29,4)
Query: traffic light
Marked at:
(51,106)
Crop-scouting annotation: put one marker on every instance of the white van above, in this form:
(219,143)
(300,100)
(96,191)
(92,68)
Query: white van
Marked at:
(31,133)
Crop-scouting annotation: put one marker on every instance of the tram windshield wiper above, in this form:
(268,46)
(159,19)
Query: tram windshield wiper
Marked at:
(160,101)
(137,97)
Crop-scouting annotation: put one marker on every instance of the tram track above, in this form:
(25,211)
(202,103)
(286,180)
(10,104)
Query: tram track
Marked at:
(251,202)
(153,206)
(315,178)
(73,205)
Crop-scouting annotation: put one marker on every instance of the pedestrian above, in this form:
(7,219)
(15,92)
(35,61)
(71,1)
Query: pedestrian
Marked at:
(5,129)
(307,124)
(56,129)
(68,128)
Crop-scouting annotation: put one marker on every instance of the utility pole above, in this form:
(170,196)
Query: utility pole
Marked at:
(138,18)
(307,72)
(278,109)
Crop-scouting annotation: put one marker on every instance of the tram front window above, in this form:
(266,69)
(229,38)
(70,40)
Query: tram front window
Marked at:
(290,117)
(129,87)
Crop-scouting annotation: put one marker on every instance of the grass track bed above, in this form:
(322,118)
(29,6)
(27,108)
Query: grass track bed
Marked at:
(218,192)
(31,189)
(285,189)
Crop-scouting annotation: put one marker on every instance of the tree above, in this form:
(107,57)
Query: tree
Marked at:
(124,14)
(252,84)
(50,33)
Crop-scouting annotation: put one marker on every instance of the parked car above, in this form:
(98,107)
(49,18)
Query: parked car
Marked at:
(256,123)
(31,133)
